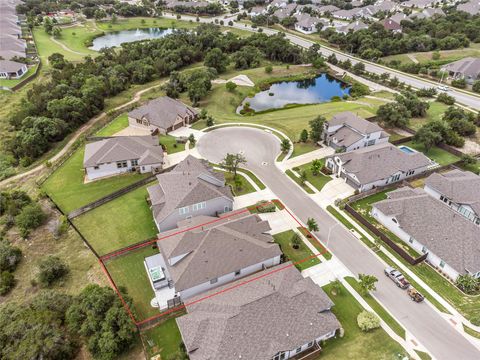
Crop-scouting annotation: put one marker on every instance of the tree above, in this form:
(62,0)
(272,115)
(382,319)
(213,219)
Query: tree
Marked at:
(99,14)
(29,218)
(367,321)
(98,315)
(231,162)
(476,86)
(192,140)
(296,241)
(316,166)
(268,69)
(7,282)
(367,283)
(114,19)
(468,159)
(459,83)
(445,98)
(217,59)
(411,101)
(312,224)
(358,68)
(304,135)
(10,255)
(336,286)
(47,25)
(210,121)
(393,115)
(427,137)
(230,86)
(285,145)
(303,177)
(316,128)
(468,283)
(51,269)
(56,32)
(358,90)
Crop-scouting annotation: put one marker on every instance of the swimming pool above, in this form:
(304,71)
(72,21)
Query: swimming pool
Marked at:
(407,150)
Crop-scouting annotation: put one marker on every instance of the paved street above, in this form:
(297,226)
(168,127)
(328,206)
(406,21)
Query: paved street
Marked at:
(260,149)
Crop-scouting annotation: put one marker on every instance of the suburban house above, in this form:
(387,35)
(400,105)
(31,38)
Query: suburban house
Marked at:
(354,26)
(121,154)
(285,11)
(429,226)
(347,131)
(392,25)
(163,114)
(467,68)
(257,10)
(12,69)
(420,4)
(191,189)
(276,316)
(458,189)
(428,13)
(308,24)
(472,7)
(206,252)
(377,165)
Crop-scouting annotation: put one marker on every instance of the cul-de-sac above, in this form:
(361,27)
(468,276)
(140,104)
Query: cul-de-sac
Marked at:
(240,179)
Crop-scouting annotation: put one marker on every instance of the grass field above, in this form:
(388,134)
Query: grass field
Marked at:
(46,47)
(303,252)
(356,344)
(166,339)
(319,180)
(66,187)
(77,38)
(129,271)
(116,125)
(118,223)
(438,155)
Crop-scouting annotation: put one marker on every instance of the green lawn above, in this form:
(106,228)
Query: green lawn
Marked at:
(113,127)
(303,252)
(300,148)
(66,187)
(316,243)
(166,339)
(298,181)
(319,180)
(77,38)
(435,112)
(170,142)
(254,178)
(356,344)
(244,188)
(118,223)
(438,155)
(46,47)
(129,271)
(379,309)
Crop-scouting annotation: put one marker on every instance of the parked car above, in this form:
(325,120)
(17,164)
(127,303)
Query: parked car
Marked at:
(397,277)
(443,88)
(415,295)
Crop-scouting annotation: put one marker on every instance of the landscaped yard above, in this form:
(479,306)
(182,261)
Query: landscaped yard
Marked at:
(438,155)
(319,180)
(118,223)
(284,239)
(299,182)
(12,82)
(357,344)
(244,186)
(129,271)
(67,189)
(170,143)
(165,337)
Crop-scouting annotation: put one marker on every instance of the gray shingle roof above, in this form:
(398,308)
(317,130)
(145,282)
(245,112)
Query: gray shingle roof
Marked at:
(190,182)
(162,112)
(442,230)
(472,7)
(119,148)
(380,161)
(462,187)
(10,66)
(468,66)
(221,248)
(354,121)
(257,319)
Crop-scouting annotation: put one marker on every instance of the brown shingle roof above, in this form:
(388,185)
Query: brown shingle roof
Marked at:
(254,321)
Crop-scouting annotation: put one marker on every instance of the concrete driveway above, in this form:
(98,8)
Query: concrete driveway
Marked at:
(421,320)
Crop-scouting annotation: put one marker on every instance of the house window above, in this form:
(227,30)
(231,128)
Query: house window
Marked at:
(213,281)
(139,121)
(121,164)
(237,272)
(135,162)
(96,167)
(183,210)
(410,240)
(442,264)
(424,249)
(310,344)
(199,206)
(371,142)
(298,350)
(395,220)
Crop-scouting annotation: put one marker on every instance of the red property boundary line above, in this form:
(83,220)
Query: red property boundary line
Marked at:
(104,258)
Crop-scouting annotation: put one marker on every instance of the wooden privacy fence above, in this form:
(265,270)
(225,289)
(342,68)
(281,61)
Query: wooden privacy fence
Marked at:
(384,238)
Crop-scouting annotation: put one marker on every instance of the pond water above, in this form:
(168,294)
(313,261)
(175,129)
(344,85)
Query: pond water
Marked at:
(116,38)
(311,91)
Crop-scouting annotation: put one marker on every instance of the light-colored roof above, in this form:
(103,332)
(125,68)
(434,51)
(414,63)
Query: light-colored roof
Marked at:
(145,149)
(10,66)
(256,319)
(399,17)
(191,181)
(462,187)
(472,7)
(355,122)
(435,225)
(162,112)
(468,66)
(354,26)
(378,162)
(221,248)
(391,24)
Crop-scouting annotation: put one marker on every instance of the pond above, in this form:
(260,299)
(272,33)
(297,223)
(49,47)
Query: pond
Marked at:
(310,91)
(116,38)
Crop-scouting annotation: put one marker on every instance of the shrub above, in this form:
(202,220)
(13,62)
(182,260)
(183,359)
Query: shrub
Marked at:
(268,69)
(230,86)
(468,284)
(7,282)
(51,269)
(367,321)
(427,92)
(31,217)
(459,83)
(10,256)
(476,86)
(446,99)
(358,90)
(265,207)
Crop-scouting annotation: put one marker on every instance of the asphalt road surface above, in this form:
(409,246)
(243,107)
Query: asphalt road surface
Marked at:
(260,148)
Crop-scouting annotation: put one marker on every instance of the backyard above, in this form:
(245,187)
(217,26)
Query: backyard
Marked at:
(164,339)
(440,156)
(128,271)
(297,256)
(118,223)
(356,344)
(434,112)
